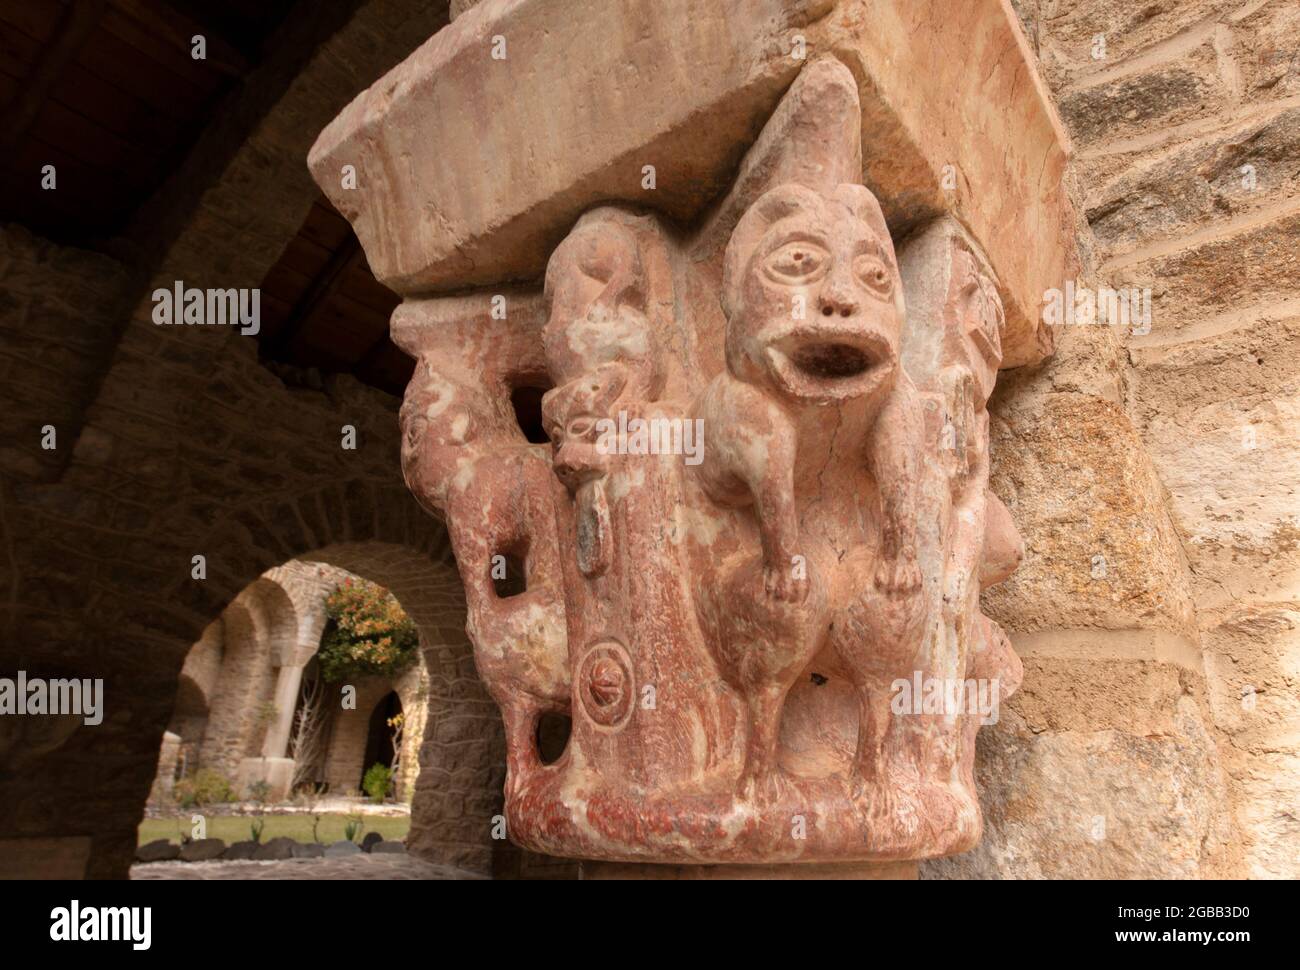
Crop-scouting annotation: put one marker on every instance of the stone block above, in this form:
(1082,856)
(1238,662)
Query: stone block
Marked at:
(279,848)
(159,850)
(1070,49)
(1119,781)
(1100,550)
(1245,264)
(240,851)
(202,850)
(1208,181)
(550,132)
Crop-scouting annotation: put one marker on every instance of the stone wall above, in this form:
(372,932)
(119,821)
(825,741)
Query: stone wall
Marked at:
(60,309)
(176,442)
(1186,147)
(1194,191)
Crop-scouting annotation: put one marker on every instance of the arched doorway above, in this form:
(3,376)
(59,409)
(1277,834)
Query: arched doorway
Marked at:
(380,734)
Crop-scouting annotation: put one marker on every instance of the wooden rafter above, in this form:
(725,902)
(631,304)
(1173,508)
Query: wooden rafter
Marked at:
(179,28)
(79,19)
(316,297)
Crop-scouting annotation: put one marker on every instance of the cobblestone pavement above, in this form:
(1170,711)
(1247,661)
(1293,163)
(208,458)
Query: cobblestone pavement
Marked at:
(353,867)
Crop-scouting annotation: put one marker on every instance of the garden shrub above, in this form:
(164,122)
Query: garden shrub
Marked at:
(204,787)
(376,781)
(368,634)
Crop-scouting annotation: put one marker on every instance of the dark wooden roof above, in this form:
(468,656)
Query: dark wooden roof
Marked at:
(322,308)
(107,92)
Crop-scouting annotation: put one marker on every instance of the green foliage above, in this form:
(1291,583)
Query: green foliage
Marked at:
(255,829)
(352,828)
(376,781)
(369,633)
(259,791)
(204,787)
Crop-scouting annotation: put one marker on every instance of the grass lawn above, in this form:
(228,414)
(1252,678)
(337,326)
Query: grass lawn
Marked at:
(235,828)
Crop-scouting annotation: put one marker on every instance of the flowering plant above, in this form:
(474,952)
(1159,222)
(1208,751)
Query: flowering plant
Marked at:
(368,633)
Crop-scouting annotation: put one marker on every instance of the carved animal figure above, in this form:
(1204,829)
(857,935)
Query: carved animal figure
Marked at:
(571,416)
(601,352)
(496,493)
(814,317)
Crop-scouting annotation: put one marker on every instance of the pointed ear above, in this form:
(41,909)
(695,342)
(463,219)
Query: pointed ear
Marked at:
(814,138)
(780,203)
(862,202)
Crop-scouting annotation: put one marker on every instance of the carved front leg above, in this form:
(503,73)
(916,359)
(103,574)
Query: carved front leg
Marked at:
(895,446)
(750,460)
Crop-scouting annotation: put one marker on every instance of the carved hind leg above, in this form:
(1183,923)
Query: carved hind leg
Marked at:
(870,773)
(761,779)
(522,759)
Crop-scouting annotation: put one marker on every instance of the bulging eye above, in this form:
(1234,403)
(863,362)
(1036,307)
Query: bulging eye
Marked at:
(580,427)
(874,273)
(798,262)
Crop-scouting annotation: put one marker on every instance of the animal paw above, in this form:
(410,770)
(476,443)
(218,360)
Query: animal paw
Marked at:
(768,788)
(781,584)
(900,574)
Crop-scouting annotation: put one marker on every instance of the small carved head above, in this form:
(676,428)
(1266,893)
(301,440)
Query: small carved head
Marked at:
(437,420)
(598,262)
(975,335)
(572,414)
(596,288)
(813,297)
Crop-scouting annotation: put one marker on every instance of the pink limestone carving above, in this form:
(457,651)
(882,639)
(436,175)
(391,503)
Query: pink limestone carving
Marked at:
(754,544)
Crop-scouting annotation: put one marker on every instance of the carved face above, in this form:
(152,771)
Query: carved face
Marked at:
(437,420)
(978,330)
(595,285)
(571,415)
(813,295)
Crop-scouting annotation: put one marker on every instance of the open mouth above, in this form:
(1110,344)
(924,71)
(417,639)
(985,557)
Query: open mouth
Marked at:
(830,366)
(831,361)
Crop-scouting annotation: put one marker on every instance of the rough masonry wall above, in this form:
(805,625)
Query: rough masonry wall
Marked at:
(57,319)
(190,447)
(1186,120)
(1189,143)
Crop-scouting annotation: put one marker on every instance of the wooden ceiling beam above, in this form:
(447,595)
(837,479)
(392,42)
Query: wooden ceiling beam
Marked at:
(347,256)
(179,28)
(79,19)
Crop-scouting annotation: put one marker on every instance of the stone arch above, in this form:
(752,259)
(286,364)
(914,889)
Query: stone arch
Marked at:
(461,763)
(376,531)
(280,616)
(347,752)
(241,684)
(108,589)
(190,717)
